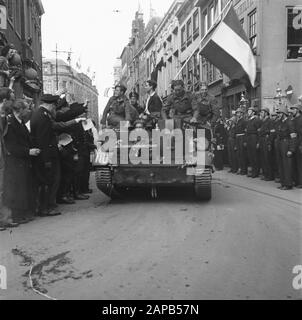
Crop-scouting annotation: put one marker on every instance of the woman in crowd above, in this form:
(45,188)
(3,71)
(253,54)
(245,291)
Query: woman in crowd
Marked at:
(18,179)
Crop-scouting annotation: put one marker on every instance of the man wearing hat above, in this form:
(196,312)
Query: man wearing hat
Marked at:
(179,103)
(240,130)
(252,127)
(205,105)
(287,137)
(118,108)
(265,146)
(47,164)
(296,111)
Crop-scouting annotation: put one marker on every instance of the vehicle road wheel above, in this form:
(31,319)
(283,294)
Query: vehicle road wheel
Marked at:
(104,180)
(203,185)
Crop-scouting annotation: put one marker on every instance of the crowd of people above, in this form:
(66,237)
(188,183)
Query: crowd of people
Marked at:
(45,156)
(45,152)
(261,143)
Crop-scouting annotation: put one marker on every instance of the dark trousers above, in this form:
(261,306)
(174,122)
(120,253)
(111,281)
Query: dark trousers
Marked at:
(232,155)
(242,154)
(18,215)
(276,159)
(48,192)
(252,152)
(266,158)
(286,164)
(67,174)
(218,160)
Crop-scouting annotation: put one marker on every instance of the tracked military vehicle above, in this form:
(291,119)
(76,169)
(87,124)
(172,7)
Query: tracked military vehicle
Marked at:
(155,154)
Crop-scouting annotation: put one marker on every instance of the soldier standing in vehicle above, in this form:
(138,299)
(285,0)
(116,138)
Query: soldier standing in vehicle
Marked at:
(118,108)
(252,127)
(287,137)
(179,103)
(204,105)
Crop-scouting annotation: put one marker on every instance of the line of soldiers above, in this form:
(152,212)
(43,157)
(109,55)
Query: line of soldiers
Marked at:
(270,143)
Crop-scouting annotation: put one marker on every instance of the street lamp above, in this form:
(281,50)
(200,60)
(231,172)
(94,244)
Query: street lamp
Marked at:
(279,97)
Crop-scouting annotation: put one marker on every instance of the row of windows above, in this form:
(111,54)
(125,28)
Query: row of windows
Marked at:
(190,31)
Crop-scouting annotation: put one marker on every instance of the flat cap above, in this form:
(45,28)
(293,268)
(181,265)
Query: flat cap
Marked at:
(49,98)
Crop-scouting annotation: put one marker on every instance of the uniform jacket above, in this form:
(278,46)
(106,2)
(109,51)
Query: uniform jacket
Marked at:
(265,129)
(119,109)
(179,105)
(286,131)
(298,128)
(203,105)
(18,180)
(241,126)
(253,125)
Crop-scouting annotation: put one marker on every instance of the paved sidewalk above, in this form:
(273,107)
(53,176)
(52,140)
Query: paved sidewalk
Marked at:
(269,188)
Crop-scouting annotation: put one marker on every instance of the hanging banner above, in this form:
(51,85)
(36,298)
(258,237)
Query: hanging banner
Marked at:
(3,18)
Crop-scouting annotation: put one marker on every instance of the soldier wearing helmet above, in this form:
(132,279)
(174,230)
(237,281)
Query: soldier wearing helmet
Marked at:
(265,146)
(240,147)
(118,108)
(179,103)
(297,119)
(252,127)
(287,136)
(204,105)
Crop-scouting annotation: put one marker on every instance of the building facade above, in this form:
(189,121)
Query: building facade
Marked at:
(172,50)
(78,84)
(274,29)
(22,29)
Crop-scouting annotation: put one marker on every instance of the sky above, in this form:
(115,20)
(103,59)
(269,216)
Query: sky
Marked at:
(94,31)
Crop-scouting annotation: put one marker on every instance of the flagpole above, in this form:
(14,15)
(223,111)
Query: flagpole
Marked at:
(213,27)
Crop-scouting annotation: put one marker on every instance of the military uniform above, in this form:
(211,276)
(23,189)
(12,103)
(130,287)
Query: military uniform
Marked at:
(252,126)
(118,109)
(240,130)
(298,153)
(265,147)
(179,106)
(286,134)
(204,106)
(232,153)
